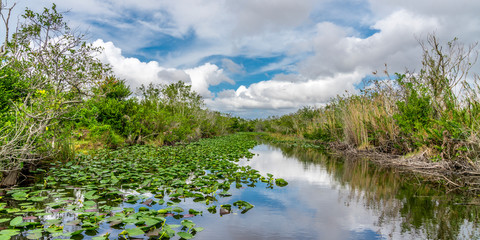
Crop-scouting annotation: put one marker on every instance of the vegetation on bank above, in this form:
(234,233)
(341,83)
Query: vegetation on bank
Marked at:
(56,96)
(434,113)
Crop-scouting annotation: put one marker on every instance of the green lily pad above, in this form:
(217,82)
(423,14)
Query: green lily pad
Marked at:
(281,182)
(35,235)
(185,235)
(4,220)
(188,224)
(16,221)
(37,199)
(134,232)
(178,209)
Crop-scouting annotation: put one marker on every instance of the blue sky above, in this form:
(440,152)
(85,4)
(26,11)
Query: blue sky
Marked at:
(257,58)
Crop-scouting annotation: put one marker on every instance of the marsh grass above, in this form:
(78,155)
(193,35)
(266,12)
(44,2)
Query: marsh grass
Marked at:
(435,111)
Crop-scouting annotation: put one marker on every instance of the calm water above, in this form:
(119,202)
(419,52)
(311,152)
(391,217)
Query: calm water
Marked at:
(328,198)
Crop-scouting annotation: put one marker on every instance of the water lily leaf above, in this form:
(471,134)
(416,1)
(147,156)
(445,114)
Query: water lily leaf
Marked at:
(115,223)
(185,235)
(16,221)
(194,212)
(100,238)
(134,232)
(4,220)
(163,211)
(281,182)
(53,222)
(89,203)
(178,209)
(198,229)
(9,232)
(19,195)
(13,210)
(212,209)
(78,232)
(143,209)
(225,194)
(151,222)
(243,205)
(35,235)
(38,199)
(188,224)
(74,222)
(173,226)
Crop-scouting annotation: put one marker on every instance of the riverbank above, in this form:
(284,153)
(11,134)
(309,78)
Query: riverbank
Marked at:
(451,176)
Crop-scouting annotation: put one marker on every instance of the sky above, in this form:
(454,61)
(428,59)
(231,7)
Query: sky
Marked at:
(260,58)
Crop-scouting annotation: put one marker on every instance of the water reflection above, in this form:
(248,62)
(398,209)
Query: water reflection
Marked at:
(353,197)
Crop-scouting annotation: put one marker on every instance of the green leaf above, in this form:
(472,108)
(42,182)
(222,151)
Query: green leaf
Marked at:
(35,235)
(281,182)
(76,232)
(37,199)
(74,222)
(4,220)
(16,221)
(187,223)
(185,235)
(9,233)
(89,203)
(134,232)
(19,195)
(178,209)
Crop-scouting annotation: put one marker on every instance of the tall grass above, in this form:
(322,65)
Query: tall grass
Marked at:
(436,110)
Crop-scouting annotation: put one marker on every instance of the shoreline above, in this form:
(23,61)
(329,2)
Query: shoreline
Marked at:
(454,176)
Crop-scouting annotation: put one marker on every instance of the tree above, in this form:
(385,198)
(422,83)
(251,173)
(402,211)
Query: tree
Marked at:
(180,97)
(57,69)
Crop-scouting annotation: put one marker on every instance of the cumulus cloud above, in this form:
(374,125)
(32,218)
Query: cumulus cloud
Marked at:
(286,96)
(136,72)
(395,43)
(323,52)
(205,76)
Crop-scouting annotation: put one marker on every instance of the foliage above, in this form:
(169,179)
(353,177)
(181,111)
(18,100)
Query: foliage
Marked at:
(436,109)
(53,88)
(54,69)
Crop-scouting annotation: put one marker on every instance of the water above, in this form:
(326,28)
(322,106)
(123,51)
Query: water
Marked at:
(326,197)
(329,198)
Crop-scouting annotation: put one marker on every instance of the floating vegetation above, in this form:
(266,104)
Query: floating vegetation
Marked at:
(134,192)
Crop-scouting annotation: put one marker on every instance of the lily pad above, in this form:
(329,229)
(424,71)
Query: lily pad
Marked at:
(185,235)
(134,232)
(281,182)
(16,221)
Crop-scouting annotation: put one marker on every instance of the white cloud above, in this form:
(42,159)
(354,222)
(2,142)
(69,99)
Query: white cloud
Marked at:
(136,72)
(285,96)
(325,52)
(205,76)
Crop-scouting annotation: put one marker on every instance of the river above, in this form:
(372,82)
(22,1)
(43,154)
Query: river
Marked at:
(333,198)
